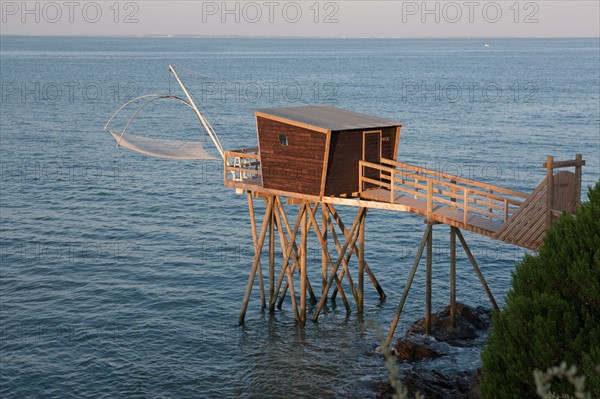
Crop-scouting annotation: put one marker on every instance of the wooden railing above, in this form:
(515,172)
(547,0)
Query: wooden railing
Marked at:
(435,188)
(242,165)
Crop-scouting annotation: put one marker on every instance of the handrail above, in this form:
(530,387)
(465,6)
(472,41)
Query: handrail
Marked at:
(242,164)
(448,176)
(470,197)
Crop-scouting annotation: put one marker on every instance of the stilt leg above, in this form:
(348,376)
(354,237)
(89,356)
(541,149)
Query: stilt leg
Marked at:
(452,277)
(481,279)
(287,245)
(329,261)
(324,249)
(303,240)
(428,279)
(345,267)
(256,261)
(409,281)
(254,239)
(295,255)
(367,268)
(272,255)
(361,263)
(349,242)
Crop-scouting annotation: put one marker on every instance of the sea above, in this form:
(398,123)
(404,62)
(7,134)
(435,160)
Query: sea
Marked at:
(123,275)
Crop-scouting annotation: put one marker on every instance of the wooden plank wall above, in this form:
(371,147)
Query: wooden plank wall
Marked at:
(297,167)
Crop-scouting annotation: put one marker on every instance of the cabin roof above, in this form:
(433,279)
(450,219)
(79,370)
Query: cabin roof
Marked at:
(325,118)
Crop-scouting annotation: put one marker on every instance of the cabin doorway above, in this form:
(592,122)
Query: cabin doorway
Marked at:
(372,153)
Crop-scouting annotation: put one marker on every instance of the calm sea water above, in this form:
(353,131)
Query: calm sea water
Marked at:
(123,275)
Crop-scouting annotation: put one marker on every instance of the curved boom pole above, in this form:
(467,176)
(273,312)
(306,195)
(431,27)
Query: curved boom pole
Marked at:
(201,118)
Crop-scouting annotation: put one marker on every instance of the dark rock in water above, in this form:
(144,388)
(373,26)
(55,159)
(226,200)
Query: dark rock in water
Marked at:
(468,322)
(418,347)
(415,347)
(436,385)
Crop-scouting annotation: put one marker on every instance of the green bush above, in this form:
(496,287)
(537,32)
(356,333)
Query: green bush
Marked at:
(552,311)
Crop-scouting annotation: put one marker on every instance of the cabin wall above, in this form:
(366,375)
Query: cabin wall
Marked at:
(297,167)
(345,151)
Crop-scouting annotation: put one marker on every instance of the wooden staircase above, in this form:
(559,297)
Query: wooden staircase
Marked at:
(502,214)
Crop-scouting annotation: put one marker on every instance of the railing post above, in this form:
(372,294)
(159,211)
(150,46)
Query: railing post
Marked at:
(490,209)
(392,186)
(453,194)
(505,209)
(360,176)
(549,189)
(578,158)
(225,167)
(429,200)
(416,183)
(466,205)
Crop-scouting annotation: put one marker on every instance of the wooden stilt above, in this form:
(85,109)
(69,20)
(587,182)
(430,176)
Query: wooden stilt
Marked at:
(452,277)
(256,261)
(290,272)
(285,270)
(479,274)
(272,254)
(361,263)
(254,239)
(303,246)
(295,255)
(428,279)
(329,261)
(409,281)
(345,265)
(324,249)
(349,242)
(367,268)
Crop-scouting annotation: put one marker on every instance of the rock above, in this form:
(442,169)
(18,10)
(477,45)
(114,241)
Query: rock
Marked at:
(469,321)
(417,347)
(436,385)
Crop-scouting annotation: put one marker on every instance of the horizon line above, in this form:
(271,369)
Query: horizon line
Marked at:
(195,36)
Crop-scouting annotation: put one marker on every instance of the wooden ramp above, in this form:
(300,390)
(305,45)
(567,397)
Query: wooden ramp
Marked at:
(527,227)
(502,214)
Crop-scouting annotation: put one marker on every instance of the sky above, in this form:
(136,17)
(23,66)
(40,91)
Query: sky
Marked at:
(364,19)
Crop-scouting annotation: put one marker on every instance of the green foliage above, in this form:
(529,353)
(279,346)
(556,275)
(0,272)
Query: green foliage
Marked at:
(552,311)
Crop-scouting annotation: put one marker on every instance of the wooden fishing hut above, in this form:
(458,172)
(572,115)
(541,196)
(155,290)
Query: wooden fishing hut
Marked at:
(319,157)
(315,150)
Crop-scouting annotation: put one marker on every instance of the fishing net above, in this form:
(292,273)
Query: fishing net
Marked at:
(170,149)
(156,146)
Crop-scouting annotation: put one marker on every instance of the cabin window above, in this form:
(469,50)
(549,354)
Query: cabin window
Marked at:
(283,140)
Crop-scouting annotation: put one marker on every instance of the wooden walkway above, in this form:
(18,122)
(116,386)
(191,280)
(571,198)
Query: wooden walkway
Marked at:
(496,212)
(440,213)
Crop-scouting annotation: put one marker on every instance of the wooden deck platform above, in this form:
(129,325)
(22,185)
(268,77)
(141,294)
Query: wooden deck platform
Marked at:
(496,212)
(440,213)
